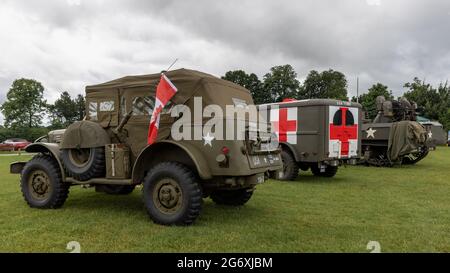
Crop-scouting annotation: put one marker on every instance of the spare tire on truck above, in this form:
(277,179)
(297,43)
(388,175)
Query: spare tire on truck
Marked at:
(83,150)
(85,163)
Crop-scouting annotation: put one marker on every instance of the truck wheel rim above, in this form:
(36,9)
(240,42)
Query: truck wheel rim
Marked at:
(39,185)
(167,196)
(79,157)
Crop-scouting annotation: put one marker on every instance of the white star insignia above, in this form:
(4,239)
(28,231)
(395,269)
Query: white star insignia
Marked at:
(208,139)
(430,134)
(370,133)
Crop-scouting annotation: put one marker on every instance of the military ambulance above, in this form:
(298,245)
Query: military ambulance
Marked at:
(315,134)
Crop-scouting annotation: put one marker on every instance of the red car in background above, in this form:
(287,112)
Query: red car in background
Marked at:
(14,144)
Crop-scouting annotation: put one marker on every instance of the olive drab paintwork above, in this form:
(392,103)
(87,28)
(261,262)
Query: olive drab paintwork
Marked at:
(437,133)
(109,149)
(318,132)
(84,134)
(394,136)
(133,88)
(117,161)
(122,94)
(108,103)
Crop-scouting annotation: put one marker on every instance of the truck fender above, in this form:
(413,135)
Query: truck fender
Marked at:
(51,149)
(151,155)
(289,147)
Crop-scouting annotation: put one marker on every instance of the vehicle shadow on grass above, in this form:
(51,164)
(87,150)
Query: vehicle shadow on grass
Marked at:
(101,201)
(307,178)
(133,205)
(420,166)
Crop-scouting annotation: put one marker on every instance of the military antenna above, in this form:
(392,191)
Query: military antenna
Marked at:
(172,64)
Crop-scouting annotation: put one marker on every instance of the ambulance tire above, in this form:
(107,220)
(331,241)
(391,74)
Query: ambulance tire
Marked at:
(290,167)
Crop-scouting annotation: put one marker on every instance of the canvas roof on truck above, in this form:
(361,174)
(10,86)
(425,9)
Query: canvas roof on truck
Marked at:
(188,82)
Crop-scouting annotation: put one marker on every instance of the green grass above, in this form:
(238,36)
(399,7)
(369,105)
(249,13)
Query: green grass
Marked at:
(404,208)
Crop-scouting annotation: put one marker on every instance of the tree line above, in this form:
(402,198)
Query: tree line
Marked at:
(281,82)
(25,108)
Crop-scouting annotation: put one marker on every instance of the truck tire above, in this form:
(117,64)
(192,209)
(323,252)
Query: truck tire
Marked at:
(172,195)
(290,167)
(41,183)
(330,171)
(232,197)
(115,189)
(84,164)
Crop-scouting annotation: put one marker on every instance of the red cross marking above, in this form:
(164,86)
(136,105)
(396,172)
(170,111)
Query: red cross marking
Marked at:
(284,125)
(343,132)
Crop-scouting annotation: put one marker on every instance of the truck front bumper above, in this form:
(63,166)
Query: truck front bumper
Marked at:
(16,167)
(244,181)
(235,182)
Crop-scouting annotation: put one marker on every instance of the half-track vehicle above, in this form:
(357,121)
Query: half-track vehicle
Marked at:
(316,134)
(394,136)
(109,150)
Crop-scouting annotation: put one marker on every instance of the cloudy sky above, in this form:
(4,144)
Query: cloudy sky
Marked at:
(67,44)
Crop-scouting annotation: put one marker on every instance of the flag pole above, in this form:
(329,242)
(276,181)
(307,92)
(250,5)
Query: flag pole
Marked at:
(170,66)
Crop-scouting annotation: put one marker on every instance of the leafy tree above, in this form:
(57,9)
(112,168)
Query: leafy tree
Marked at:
(426,97)
(251,82)
(66,110)
(81,106)
(368,100)
(433,103)
(281,82)
(24,105)
(444,105)
(329,84)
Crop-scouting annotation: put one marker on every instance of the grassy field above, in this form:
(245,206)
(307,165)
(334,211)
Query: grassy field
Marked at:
(403,208)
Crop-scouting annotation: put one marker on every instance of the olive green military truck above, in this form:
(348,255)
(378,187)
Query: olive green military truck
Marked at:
(109,151)
(315,134)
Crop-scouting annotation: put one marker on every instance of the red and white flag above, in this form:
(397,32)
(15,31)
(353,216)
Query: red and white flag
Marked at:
(164,92)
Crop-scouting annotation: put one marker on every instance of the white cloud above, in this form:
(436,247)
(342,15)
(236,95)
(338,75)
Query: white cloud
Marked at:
(74,2)
(69,44)
(373,2)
